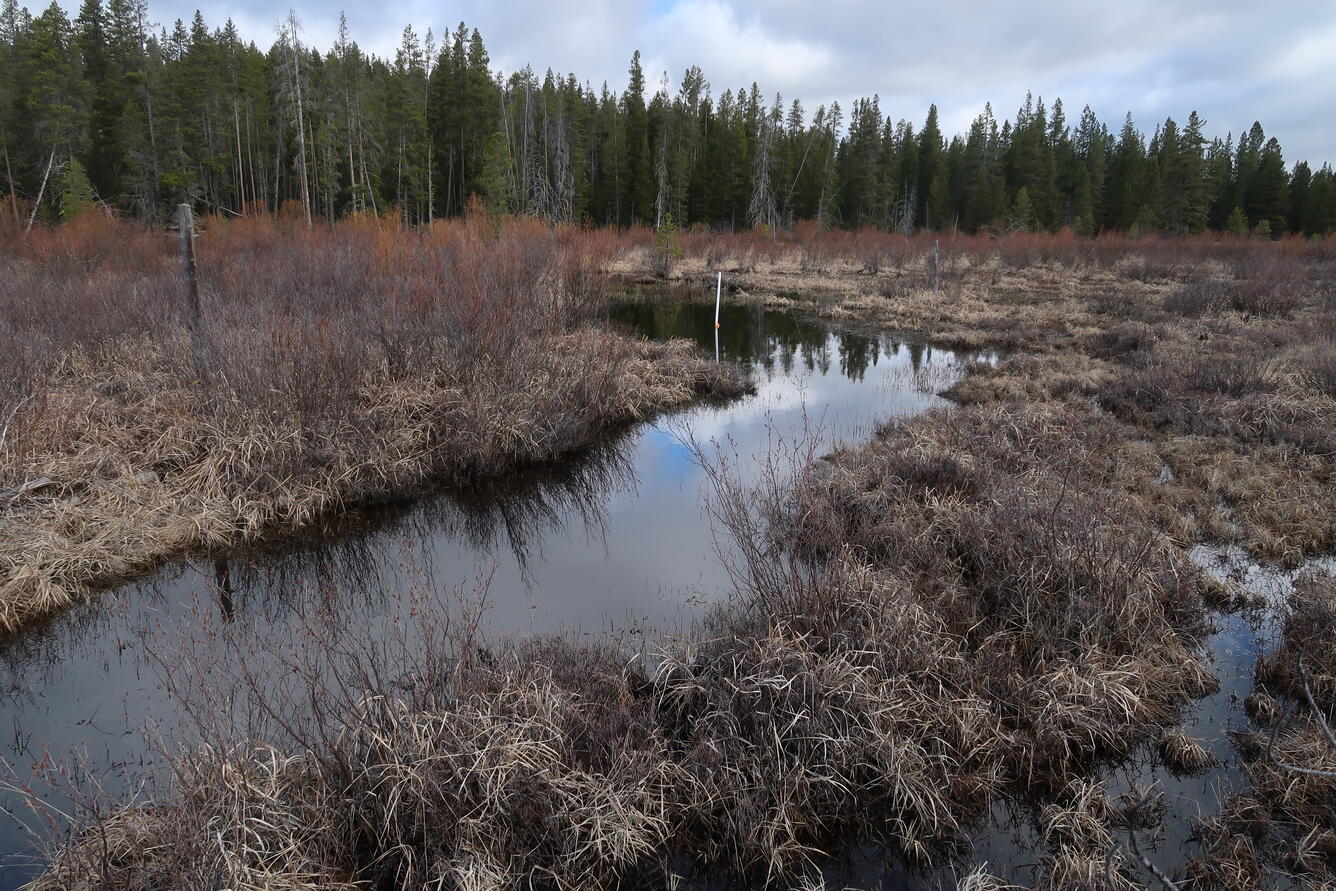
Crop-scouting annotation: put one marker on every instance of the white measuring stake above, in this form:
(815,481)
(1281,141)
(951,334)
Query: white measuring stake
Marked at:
(718,297)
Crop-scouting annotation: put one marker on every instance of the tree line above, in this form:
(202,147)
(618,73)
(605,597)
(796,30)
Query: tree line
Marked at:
(109,109)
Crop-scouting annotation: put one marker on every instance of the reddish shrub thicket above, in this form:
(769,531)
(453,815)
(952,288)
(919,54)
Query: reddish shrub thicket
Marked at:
(279,296)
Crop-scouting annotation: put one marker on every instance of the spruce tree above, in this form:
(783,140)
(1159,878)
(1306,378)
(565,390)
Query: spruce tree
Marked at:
(930,169)
(638,195)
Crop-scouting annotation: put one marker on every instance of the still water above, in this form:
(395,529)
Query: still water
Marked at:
(613,541)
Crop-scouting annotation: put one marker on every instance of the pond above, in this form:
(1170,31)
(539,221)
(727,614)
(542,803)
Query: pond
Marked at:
(613,541)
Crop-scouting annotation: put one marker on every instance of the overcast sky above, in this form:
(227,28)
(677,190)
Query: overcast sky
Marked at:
(1234,62)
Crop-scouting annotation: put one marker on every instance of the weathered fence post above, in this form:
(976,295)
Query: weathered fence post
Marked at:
(936,266)
(185,220)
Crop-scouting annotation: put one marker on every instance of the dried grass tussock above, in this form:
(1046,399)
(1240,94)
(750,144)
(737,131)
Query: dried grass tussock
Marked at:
(1184,754)
(922,625)
(478,354)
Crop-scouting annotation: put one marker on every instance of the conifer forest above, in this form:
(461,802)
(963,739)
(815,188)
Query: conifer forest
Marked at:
(115,109)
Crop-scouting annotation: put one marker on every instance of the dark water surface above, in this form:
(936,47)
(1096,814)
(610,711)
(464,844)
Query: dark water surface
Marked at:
(613,541)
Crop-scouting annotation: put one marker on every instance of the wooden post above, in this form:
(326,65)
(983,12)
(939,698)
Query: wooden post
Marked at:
(936,266)
(185,220)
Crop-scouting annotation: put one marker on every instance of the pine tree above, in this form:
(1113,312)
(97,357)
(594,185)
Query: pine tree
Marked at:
(147,116)
(1237,222)
(931,173)
(76,191)
(1299,216)
(1268,191)
(985,199)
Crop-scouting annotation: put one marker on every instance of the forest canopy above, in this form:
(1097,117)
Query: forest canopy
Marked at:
(109,109)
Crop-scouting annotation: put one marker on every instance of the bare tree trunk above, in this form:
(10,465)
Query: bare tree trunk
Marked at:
(431,137)
(315,172)
(32,217)
(301,125)
(352,175)
(661,199)
(256,194)
(936,266)
(361,148)
(450,183)
(761,211)
(9,174)
(185,221)
(148,111)
(241,161)
(463,181)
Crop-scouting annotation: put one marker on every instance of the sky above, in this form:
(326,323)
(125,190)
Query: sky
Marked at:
(1233,62)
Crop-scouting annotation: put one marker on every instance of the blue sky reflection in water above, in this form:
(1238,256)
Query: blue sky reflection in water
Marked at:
(616,540)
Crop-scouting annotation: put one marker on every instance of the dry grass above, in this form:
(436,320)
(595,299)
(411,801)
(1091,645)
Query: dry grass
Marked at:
(1080,819)
(1076,870)
(1183,754)
(1261,708)
(922,626)
(979,879)
(346,365)
(982,602)
(1216,352)
(1309,634)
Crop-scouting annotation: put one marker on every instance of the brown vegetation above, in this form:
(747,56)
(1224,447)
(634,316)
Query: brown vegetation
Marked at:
(940,625)
(1217,353)
(341,364)
(986,601)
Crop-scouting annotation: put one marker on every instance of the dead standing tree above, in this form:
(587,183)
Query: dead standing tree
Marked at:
(185,221)
(288,36)
(762,211)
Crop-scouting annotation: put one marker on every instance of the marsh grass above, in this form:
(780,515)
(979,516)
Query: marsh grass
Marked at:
(343,364)
(982,602)
(911,639)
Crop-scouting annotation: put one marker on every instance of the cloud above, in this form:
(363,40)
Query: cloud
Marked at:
(732,49)
(1234,61)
